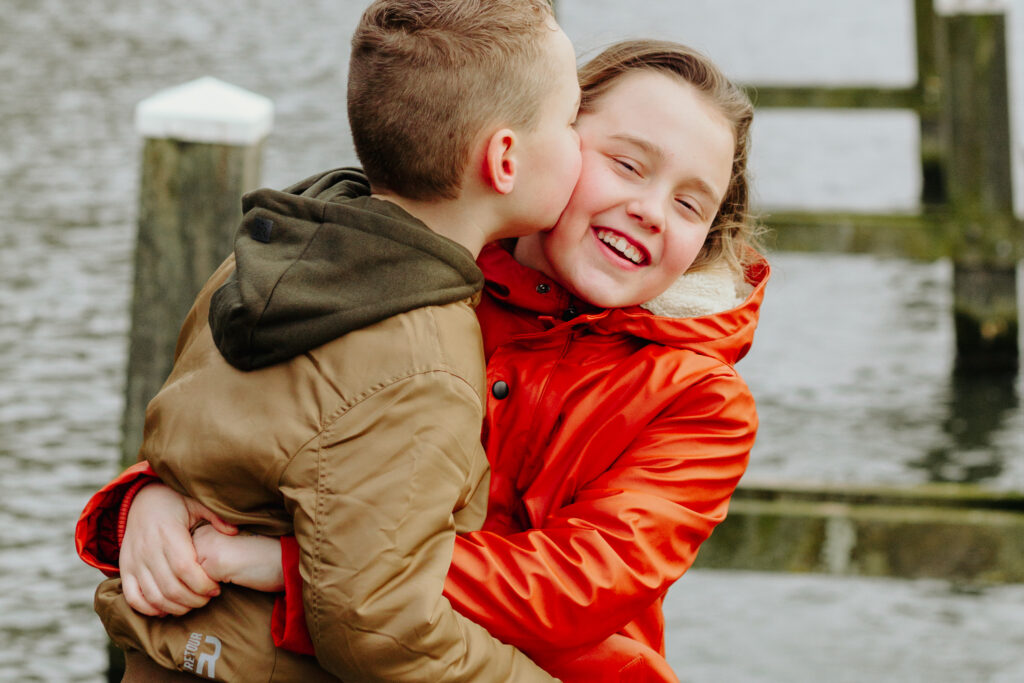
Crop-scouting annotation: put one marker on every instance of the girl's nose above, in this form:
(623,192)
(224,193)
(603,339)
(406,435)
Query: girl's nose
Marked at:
(647,210)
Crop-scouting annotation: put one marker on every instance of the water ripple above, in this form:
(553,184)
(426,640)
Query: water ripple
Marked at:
(852,351)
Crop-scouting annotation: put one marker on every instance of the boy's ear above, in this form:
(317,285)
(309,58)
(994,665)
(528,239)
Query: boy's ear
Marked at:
(499,161)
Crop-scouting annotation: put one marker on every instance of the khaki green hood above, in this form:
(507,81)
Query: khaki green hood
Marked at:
(323,258)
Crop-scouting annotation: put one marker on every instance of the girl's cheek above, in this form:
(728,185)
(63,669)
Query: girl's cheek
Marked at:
(593,181)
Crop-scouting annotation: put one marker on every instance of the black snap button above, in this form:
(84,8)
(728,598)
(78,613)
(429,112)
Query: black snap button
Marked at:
(570,313)
(261,229)
(543,289)
(500,389)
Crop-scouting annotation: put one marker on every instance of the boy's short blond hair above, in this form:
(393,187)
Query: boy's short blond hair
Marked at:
(426,77)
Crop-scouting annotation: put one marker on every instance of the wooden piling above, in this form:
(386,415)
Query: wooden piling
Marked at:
(928,94)
(202,151)
(961,97)
(985,240)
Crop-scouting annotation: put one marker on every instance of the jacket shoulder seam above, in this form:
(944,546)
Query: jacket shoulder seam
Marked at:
(341,410)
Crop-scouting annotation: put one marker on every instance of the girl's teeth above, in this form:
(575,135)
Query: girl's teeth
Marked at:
(621,245)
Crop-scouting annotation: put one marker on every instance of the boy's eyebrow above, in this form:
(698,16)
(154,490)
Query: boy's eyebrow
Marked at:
(651,149)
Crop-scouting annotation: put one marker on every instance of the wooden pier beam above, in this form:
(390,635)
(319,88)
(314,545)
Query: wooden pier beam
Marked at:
(202,151)
(940,531)
(986,241)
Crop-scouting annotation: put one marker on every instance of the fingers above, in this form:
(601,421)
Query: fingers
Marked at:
(198,512)
(136,600)
(185,581)
(159,569)
(144,595)
(160,573)
(220,525)
(156,591)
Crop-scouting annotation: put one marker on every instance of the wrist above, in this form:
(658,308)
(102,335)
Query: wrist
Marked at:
(126,504)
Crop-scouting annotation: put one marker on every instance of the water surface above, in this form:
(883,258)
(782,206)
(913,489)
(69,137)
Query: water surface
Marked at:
(851,366)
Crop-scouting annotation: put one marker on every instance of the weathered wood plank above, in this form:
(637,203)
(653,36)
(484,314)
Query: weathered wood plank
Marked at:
(953,533)
(827,97)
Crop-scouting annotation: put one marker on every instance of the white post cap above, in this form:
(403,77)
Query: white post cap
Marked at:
(970,6)
(206,110)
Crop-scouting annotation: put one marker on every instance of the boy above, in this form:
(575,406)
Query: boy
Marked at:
(367,446)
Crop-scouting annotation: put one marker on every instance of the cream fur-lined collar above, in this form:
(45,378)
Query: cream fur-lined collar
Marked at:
(707,291)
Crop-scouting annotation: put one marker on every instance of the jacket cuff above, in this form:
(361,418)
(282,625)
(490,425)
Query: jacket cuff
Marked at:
(288,624)
(100,527)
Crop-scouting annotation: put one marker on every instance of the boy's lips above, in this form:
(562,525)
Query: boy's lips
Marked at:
(622,246)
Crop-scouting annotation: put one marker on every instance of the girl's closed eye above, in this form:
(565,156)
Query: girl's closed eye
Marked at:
(626,165)
(690,206)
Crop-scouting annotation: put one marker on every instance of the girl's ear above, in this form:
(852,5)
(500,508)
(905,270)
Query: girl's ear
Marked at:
(499,161)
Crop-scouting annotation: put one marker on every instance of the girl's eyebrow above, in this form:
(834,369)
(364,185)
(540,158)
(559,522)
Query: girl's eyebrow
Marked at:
(644,145)
(653,150)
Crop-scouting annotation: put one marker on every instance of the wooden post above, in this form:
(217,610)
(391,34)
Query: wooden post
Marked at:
(203,146)
(986,241)
(929,105)
(202,151)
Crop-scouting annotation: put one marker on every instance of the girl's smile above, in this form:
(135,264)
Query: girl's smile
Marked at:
(657,161)
(622,247)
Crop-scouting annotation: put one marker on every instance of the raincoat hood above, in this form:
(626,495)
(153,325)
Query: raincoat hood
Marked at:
(323,258)
(711,312)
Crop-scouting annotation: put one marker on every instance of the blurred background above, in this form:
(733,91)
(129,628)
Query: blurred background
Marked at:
(852,367)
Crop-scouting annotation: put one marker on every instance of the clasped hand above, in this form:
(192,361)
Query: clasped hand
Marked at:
(176,552)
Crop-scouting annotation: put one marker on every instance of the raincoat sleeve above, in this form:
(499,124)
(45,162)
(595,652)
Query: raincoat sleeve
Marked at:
(591,566)
(100,528)
(373,501)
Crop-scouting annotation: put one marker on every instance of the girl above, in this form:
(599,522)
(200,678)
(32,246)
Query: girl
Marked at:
(617,427)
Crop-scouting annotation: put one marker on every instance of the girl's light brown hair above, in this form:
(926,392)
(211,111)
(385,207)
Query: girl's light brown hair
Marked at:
(426,77)
(734,232)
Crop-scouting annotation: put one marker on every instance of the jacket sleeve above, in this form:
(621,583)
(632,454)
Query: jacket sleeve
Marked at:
(100,527)
(594,564)
(373,501)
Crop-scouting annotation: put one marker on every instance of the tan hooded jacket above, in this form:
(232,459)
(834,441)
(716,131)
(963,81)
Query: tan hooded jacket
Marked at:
(367,446)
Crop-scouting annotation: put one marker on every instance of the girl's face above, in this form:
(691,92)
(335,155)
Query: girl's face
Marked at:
(657,160)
